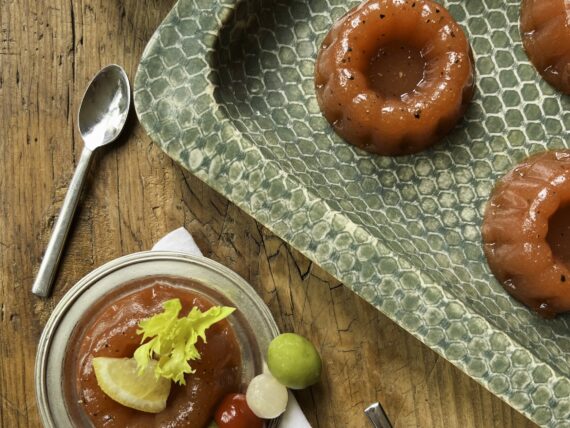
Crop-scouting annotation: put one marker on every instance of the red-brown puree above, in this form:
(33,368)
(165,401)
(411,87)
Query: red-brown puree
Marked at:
(526,229)
(393,77)
(545,30)
(113,334)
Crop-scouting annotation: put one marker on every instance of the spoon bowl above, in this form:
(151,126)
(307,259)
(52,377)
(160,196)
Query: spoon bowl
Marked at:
(105,107)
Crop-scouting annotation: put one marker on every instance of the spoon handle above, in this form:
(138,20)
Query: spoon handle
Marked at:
(377,416)
(48,268)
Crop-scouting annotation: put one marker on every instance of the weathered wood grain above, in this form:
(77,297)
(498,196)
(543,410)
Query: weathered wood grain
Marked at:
(135,194)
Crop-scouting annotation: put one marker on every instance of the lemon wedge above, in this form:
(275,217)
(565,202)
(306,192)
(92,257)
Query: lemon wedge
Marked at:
(118,378)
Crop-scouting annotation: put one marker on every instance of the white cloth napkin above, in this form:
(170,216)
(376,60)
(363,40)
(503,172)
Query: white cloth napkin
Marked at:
(181,240)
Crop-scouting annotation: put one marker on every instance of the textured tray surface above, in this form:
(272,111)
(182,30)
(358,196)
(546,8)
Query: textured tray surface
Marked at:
(225,87)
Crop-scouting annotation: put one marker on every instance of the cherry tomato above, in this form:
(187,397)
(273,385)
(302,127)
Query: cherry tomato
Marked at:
(233,412)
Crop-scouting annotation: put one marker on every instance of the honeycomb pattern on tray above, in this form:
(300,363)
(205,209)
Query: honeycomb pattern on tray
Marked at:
(225,87)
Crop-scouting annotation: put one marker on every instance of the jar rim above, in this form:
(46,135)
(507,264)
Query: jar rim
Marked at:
(50,357)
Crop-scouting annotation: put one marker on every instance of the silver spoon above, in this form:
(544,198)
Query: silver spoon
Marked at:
(102,116)
(377,416)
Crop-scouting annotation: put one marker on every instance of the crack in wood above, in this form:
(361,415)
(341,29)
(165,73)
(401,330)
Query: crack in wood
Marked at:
(224,220)
(72,52)
(119,217)
(344,330)
(219,210)
(189,188)
(314,402)
(300,272)
(12,406)
(275,254)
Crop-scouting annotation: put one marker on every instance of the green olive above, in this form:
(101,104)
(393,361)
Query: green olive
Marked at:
(294,361)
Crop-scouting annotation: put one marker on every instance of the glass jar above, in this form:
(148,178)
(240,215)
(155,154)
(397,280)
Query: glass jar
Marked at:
(252,322)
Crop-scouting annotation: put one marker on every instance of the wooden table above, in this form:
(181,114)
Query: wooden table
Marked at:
(135,194)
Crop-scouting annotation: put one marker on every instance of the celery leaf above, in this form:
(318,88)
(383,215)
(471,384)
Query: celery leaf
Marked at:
(173,339)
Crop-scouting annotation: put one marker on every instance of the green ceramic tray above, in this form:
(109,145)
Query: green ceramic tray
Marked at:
(225,87)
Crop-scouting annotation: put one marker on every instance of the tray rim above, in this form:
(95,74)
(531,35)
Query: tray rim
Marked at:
(220,10)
